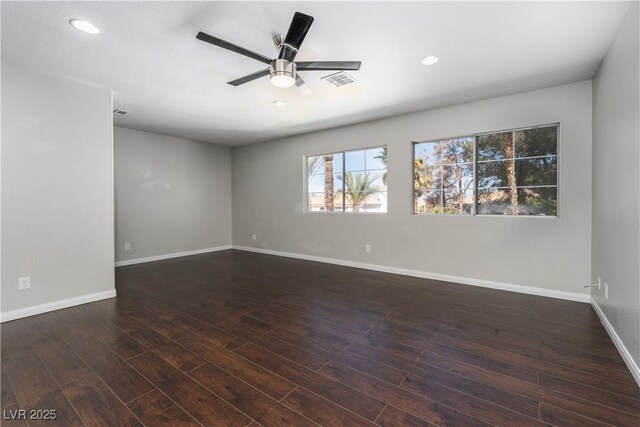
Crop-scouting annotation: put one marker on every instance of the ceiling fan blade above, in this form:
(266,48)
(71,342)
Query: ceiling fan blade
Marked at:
(328,65)
(303,86)
(232,47)
(249,77)
(298,30)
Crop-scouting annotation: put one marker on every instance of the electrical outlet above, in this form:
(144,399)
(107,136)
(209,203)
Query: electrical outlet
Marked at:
(24,283)
(127,246)
(606,291)
(367,248)
(254,237)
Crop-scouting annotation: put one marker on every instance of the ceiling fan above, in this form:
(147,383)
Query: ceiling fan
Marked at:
(282,70)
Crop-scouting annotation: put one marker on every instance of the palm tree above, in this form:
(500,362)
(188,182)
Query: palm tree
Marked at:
(383,156)
(507,139)
(328,183)
(313,165)
(358,187)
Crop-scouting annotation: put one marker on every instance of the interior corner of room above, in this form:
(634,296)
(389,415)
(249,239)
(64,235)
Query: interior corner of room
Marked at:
(109,180)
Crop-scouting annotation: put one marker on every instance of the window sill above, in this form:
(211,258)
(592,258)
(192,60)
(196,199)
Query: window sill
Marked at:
(487,216)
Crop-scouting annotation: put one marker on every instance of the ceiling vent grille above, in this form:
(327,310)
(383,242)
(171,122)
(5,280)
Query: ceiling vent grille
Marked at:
(339,79)
(119,111)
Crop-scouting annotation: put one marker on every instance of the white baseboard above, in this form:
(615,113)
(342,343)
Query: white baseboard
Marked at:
(531,290)
(168,256)
(626,356)
(55,305)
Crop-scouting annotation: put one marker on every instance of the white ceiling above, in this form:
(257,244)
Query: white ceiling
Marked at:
(174,84)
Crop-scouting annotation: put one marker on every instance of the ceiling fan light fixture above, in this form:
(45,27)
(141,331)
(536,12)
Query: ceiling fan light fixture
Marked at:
(84,26)
(282,80)
(429,60)
(282,73)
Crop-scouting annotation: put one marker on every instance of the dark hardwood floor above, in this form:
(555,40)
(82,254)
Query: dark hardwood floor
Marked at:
(236,338)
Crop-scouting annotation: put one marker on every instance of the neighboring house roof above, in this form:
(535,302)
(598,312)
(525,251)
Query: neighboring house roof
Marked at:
(316,201)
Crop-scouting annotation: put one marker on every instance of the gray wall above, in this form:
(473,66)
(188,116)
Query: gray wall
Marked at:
(172,195)
(616,184)
(57,188)
(551,253)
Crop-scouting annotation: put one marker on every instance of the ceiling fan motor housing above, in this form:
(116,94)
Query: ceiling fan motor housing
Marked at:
(283,71)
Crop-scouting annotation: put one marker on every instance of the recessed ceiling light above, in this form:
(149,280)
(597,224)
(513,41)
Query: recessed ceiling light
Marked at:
(429,60)
(279,103)
(84,26)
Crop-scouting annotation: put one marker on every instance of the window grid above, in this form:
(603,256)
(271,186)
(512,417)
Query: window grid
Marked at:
(452,193)
(342,207)
(476,161)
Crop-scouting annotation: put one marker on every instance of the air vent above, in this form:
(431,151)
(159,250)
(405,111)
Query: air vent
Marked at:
(339,79)
(119,111)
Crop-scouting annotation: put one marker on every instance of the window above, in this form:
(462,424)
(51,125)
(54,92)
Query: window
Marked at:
(443,174)
(348,181)
(515,173)
(518,172)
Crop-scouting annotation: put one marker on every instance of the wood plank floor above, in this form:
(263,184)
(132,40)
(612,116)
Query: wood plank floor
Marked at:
(236,338)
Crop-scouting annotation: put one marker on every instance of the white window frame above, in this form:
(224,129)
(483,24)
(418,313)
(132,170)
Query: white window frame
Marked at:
(475,136)
(305,160)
